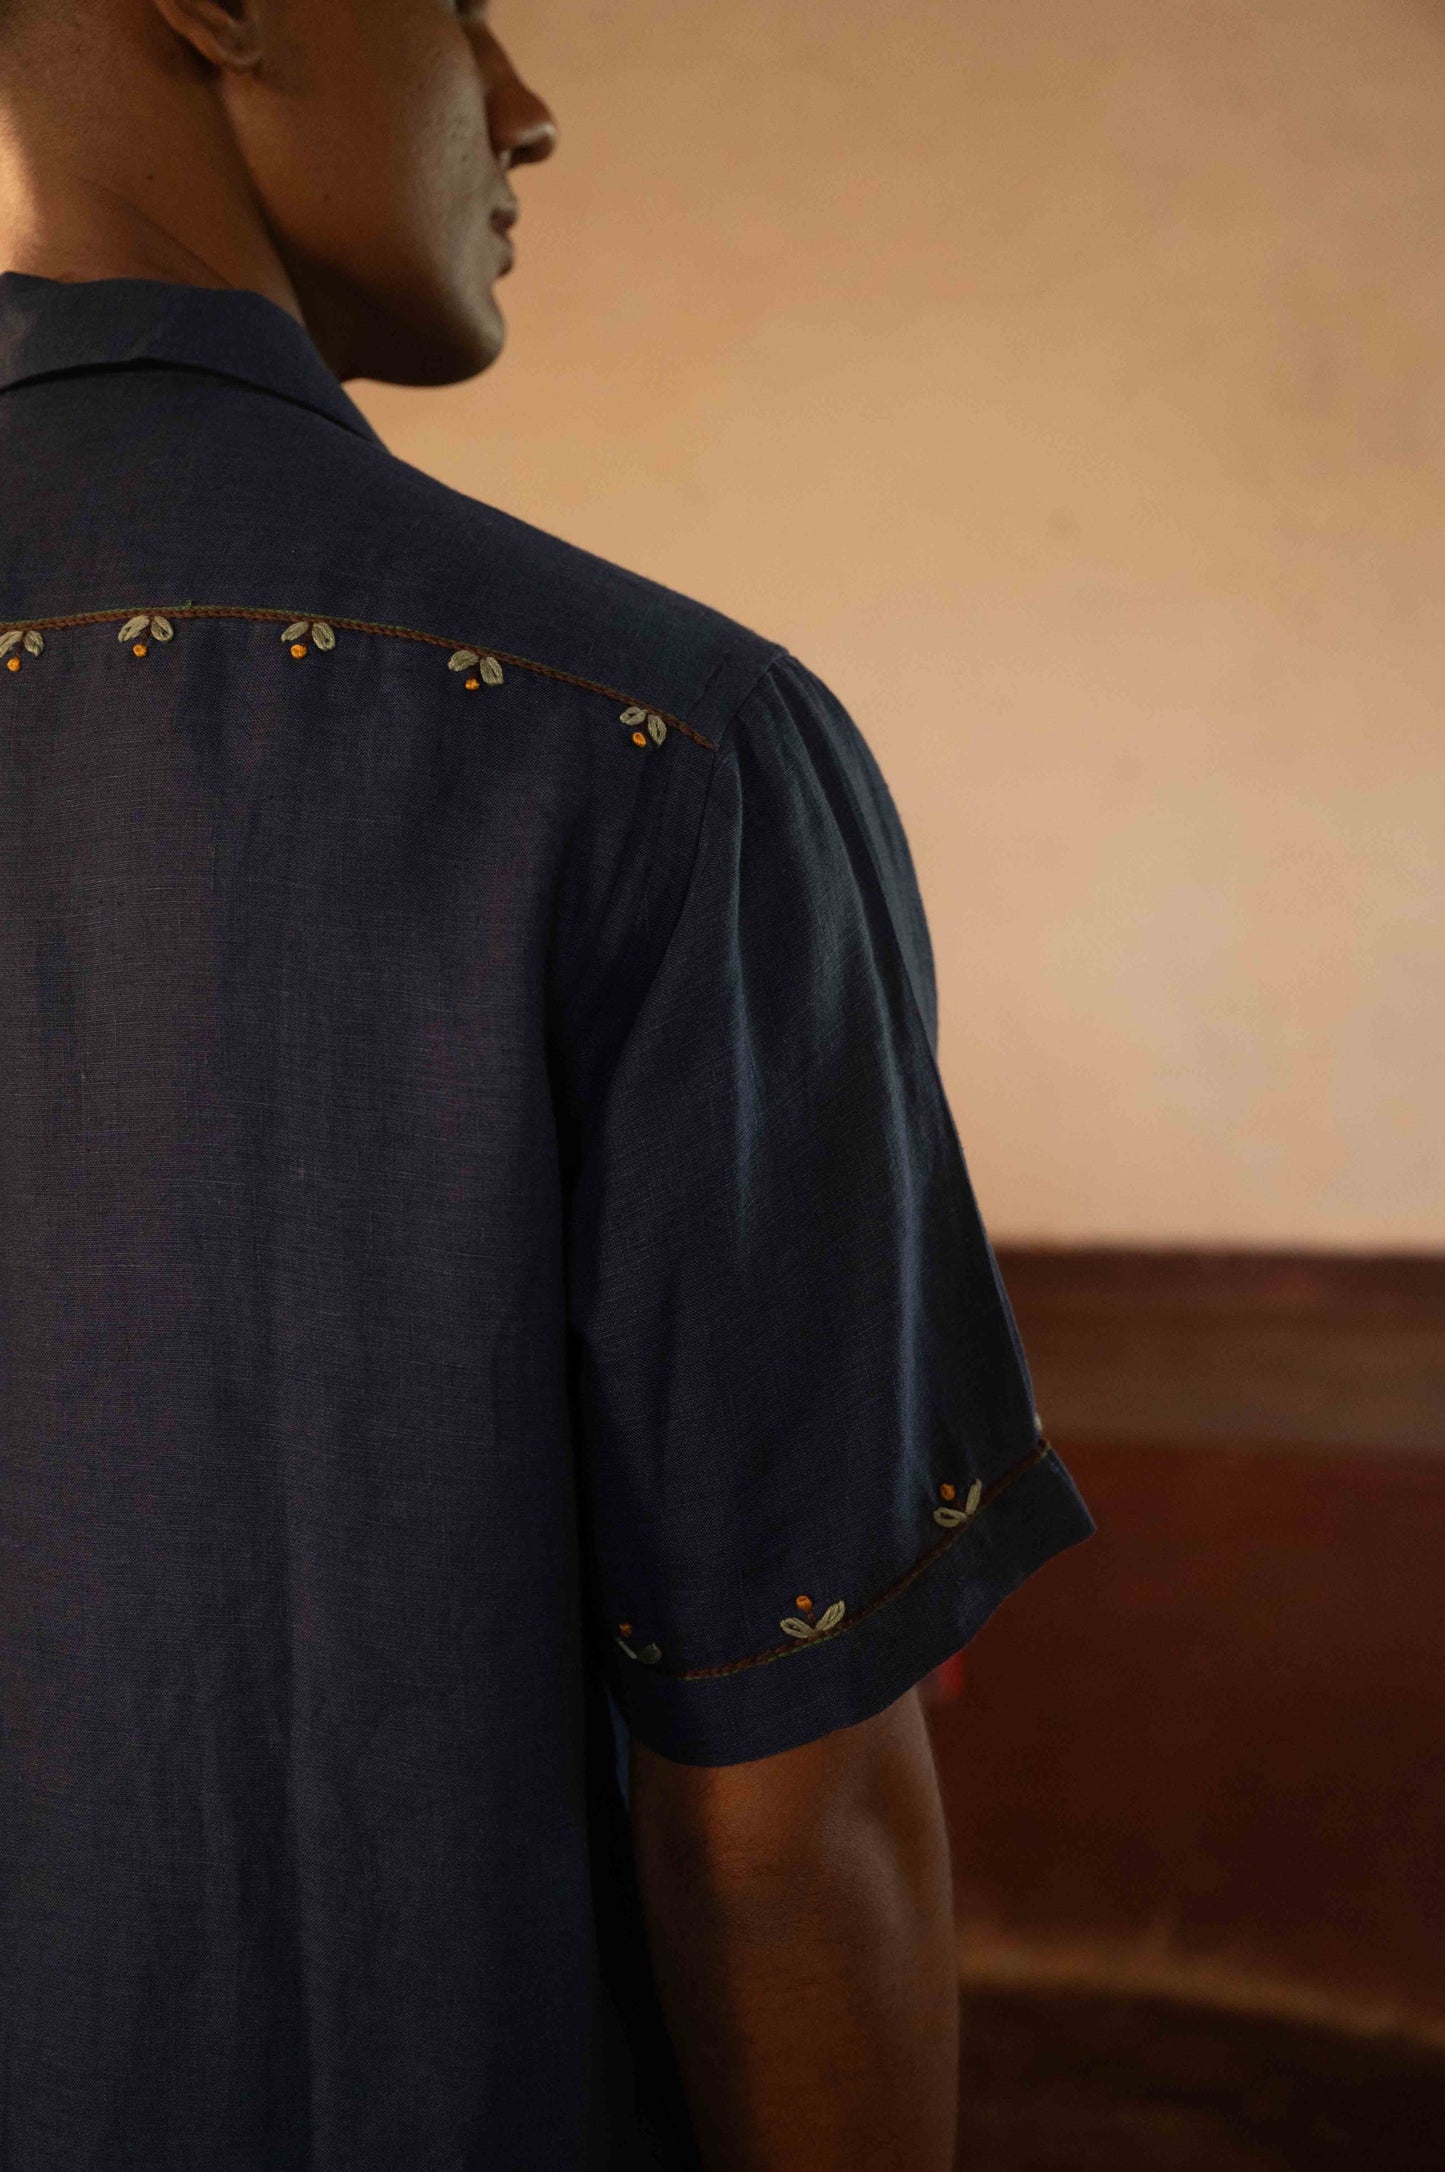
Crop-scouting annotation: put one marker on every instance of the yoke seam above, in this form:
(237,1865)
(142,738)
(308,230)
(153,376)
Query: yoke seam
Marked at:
(265,614)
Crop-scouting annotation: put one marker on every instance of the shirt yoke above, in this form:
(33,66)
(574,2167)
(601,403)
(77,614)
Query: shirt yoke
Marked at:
(208,495)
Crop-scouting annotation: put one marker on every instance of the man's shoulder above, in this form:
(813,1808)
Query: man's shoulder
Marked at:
(420,553)
(252,500)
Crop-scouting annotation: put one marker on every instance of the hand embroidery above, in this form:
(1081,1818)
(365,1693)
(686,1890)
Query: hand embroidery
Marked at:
(29,638)
(649,1654)
(472,661)
(959,1515)
(806,1631)
(831,1621)
(321,634)
(145,622)
(657,729)
(484,669)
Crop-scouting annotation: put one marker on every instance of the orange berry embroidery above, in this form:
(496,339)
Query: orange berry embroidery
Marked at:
(950,1516)
(803,1604)
(138,648)
(624,1628)
(471,685)
(12,663)
(639,739)
(298,648)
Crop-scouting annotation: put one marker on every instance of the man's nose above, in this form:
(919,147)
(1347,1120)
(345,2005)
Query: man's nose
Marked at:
(522,125)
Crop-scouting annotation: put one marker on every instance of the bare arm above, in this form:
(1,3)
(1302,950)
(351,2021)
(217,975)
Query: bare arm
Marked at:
(799,1912)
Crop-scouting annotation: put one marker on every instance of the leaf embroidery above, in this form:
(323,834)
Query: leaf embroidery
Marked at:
(805,1631)
(811,1632)
(28,637)
(294,635)
(484,670)
(134,630)
(634,714)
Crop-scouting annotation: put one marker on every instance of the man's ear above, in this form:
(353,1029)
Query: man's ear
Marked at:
(227,33)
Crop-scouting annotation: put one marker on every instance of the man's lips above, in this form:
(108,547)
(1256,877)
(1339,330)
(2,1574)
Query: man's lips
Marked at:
(501,222)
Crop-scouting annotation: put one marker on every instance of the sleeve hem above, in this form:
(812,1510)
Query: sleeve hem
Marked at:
(752,1708)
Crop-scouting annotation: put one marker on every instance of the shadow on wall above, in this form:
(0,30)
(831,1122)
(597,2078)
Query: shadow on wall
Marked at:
(1194,1768)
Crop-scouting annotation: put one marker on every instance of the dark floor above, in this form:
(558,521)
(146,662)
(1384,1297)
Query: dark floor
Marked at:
(1084,2082)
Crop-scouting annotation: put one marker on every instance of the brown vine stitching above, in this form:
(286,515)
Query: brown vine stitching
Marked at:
(264,614)
(784,1651)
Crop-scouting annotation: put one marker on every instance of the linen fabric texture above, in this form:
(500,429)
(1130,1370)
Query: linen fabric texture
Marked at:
(483,1240)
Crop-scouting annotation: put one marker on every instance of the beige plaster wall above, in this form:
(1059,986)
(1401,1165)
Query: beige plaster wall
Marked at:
(1065,381)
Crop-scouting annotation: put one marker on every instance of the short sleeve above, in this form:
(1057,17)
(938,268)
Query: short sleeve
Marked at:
(810,1466)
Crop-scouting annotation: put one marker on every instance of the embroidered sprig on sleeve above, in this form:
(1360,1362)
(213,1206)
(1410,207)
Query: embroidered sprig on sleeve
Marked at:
(807,1632)
(804,1626)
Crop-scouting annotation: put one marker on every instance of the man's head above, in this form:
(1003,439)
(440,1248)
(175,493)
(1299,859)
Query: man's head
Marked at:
(348,157)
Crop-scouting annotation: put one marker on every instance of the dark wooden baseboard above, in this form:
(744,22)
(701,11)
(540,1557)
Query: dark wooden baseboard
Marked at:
(1204,1745)
(1317,1349)
(1206,1742)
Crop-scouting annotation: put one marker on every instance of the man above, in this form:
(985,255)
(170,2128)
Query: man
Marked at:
(506,1393)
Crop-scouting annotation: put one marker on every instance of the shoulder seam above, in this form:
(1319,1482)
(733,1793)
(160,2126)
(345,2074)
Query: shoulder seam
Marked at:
(749,690)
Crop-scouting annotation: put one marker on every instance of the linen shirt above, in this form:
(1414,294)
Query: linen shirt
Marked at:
(487,1266)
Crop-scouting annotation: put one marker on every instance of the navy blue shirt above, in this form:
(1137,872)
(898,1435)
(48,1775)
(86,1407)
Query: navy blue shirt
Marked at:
(486,1264)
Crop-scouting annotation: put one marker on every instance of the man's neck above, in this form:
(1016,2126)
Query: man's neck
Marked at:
(87,193)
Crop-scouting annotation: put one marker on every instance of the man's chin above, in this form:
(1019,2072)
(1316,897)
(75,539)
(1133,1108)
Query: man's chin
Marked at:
(436,358)
(467,346)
